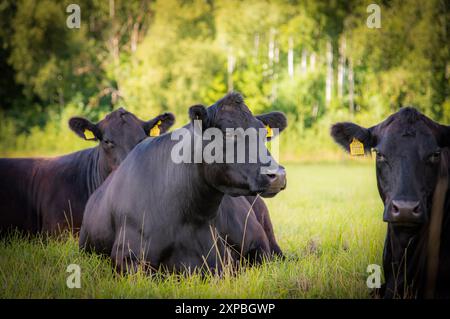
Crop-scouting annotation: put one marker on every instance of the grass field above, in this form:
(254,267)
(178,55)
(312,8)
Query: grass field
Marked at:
(328,222)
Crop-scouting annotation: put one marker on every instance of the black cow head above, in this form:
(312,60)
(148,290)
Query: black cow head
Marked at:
(119,132)
(408,153)
(409,150)
(237,177)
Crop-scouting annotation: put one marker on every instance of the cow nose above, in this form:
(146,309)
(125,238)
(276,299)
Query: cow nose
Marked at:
(405,211)
(278,178)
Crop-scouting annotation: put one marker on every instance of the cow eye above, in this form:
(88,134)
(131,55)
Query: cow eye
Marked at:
(109,143)
(435,157)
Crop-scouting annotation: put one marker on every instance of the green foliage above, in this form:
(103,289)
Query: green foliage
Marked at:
(403,62)
(55,137)
(153,56)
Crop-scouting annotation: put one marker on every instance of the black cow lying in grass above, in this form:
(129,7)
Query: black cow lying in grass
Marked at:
(155,211)
(49,194)
(412,166)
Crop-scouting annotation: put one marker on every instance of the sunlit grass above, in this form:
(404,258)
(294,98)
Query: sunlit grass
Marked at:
(328,222)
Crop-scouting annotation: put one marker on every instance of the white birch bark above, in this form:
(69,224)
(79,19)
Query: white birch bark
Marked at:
(329,78)
(341,69)
(351,88)
(291,58)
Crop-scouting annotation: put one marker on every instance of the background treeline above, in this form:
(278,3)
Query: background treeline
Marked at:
(315,60)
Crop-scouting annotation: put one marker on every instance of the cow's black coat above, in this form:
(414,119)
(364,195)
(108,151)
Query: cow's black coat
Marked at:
(154,210)
(244,222)
(410,150)
(49,194)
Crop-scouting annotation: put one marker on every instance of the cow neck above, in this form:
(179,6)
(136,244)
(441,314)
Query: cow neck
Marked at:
(97,171)
(408,258)
(435,228)
(205,200)
(200,201)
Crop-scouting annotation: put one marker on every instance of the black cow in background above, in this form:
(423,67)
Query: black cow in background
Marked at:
(160,212)
(49,194)
(412,167)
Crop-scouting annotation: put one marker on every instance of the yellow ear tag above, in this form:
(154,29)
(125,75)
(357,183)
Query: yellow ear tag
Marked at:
(88,134)
(269,131)
(356,148)
(155,131)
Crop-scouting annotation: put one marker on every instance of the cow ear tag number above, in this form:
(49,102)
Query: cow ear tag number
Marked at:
(155,131)
(88,134)
(269,131)
(356,148)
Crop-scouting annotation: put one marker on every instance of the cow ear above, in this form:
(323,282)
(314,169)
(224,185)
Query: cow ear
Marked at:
(159,125)
(344,134)
(199,113)
(273,120)
(85,129)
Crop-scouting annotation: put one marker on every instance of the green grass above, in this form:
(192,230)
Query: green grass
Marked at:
(328,222)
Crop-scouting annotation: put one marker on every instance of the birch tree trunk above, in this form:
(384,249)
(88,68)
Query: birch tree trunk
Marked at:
(329,79)
(351,88)
(277,54)
(256,48)
(304,64)
(341,69)
(275,73)
(114,39)
(271,52)
(291,58)
(134,37)
(312,61)
(230,69)
(272,56)
(112,9)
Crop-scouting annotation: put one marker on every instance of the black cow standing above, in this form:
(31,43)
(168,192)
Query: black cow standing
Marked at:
(160,212)
(412,166)
(49,194)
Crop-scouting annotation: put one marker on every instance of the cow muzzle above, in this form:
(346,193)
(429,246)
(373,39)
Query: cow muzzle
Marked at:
(404,213)
(277,182)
